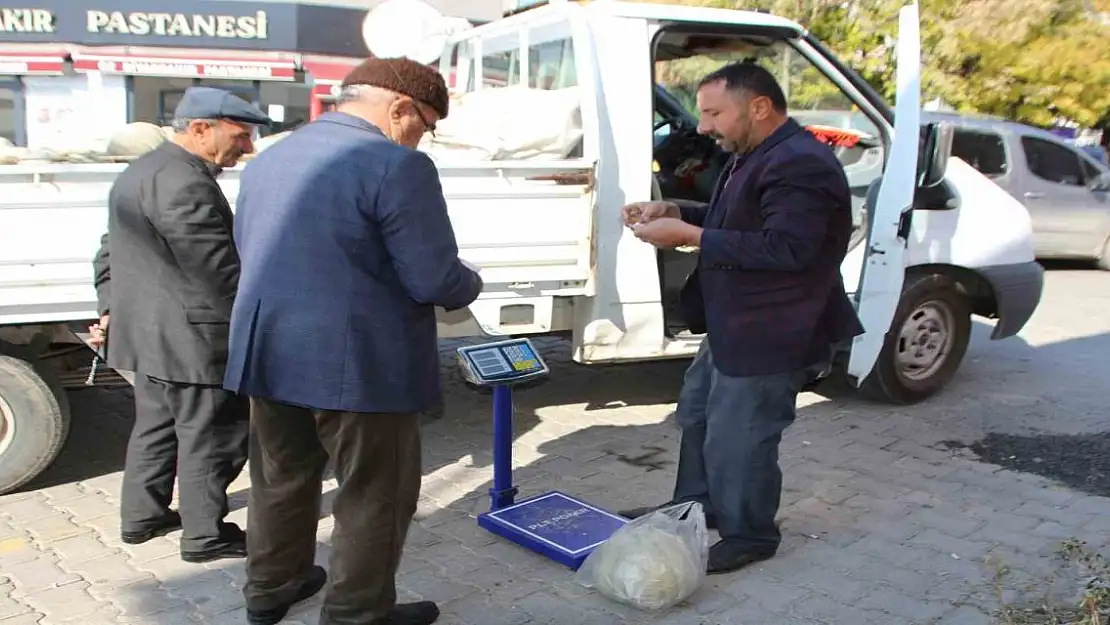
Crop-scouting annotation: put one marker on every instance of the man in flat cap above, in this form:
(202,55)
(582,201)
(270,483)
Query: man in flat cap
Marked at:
(166,275)
(346,249)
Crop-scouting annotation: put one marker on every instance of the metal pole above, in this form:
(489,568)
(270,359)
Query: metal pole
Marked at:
(503,492)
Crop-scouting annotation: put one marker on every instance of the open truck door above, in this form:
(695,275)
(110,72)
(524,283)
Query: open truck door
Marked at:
(883,272)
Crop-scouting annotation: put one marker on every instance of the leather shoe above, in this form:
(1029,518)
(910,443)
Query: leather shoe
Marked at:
(729,555)
(316,579)
(419,613)
(160,527)
(635,513)
(233,545)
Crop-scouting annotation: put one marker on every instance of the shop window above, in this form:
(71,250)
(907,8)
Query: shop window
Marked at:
(11,111)
(287,103)
(154,99)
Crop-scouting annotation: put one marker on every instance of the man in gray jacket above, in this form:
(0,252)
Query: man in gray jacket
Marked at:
(166,276)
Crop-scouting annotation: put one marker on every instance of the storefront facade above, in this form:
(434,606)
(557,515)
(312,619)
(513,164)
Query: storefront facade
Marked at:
(72,70)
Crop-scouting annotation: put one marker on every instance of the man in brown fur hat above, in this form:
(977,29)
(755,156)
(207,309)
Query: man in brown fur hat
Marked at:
(346,251)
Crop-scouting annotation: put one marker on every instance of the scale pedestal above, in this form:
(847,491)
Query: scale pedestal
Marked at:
(556,525)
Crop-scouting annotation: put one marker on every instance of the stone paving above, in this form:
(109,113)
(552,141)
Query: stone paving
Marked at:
(883,523)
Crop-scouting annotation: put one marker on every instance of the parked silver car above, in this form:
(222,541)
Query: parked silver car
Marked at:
(1065,189)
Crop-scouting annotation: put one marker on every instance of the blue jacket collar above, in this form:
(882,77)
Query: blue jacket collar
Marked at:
(346,119)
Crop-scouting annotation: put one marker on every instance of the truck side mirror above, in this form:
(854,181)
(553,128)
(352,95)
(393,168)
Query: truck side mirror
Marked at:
(936,147)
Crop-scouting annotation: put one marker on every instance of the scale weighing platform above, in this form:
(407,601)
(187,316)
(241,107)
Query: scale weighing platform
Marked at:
(554,524)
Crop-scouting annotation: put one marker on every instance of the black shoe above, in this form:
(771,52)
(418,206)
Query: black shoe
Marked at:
(635,513)
(419,613)
(317,577)
(234,545)
(164,525)
(730,555)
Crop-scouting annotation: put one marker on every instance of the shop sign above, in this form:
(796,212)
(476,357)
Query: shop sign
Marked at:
(32,67)
(26,21)
(178,24)
(215,24)
(193,23)
(177,68)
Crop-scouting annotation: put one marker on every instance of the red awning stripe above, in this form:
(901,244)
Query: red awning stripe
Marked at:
(32,63)
(230,69)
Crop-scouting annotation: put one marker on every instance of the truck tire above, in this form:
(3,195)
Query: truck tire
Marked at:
(34,422)
(926,343)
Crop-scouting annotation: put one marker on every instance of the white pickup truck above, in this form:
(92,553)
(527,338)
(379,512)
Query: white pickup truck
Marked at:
(936,243)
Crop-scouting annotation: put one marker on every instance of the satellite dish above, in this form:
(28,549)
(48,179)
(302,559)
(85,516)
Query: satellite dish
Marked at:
(408,28)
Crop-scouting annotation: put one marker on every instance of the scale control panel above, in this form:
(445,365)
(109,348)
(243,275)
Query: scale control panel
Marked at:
(504,362)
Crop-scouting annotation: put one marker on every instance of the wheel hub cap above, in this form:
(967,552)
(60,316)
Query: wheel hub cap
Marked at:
(7,425)
(925,340)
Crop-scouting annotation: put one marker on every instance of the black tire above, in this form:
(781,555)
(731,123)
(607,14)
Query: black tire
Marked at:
(34,422)
(934,301)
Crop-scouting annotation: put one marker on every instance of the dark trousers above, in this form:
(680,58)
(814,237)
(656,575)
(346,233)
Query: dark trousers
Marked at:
(196,433)
(376,459)
(728,457)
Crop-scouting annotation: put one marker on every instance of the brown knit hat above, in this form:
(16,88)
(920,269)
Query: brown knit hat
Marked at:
(404,76)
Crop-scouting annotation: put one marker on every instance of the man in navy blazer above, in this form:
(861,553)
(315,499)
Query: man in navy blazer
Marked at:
(768,291)
(346,250)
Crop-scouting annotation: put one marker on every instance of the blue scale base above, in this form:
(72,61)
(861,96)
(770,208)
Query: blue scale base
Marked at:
(554,525)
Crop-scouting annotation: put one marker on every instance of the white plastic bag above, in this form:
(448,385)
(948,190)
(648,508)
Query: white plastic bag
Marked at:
(654,562)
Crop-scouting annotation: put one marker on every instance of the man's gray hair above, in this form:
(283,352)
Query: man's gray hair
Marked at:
(181,124)
(350,93)
(365,93)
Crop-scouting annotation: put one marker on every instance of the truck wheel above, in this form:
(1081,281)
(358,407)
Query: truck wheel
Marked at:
(926,342)
(34,422)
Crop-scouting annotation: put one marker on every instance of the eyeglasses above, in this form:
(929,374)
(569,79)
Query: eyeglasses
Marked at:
(431,128)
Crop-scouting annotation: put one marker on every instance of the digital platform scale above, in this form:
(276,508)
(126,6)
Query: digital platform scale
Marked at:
(554,524)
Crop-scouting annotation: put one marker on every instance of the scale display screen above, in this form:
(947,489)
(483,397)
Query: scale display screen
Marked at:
(503,362)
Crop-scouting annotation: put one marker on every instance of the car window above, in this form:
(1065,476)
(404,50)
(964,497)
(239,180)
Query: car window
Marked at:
(1053,162)
(1090,172)
(982,150)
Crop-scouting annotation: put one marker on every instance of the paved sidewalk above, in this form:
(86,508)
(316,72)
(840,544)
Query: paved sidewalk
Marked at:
(883,522)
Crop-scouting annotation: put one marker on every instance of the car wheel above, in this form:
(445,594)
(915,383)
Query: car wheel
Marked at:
(926,343)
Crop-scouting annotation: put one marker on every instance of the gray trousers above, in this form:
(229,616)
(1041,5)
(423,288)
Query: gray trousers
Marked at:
(376,459)
(728,457)
(196,433)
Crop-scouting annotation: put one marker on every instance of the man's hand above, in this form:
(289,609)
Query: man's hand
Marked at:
(668,233)
(99,332)
(644,212)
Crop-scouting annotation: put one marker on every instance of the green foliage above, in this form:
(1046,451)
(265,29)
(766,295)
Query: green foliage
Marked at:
(1028,60)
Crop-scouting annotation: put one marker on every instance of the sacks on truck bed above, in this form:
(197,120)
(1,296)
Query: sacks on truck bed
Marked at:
(509,123)
(136,139)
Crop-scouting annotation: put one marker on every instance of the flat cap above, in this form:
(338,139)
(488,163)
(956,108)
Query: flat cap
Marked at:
(403,76)
(212,103)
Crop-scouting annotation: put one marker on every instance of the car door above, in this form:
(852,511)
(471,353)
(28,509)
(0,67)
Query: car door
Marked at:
(883,270)
(1068,216)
